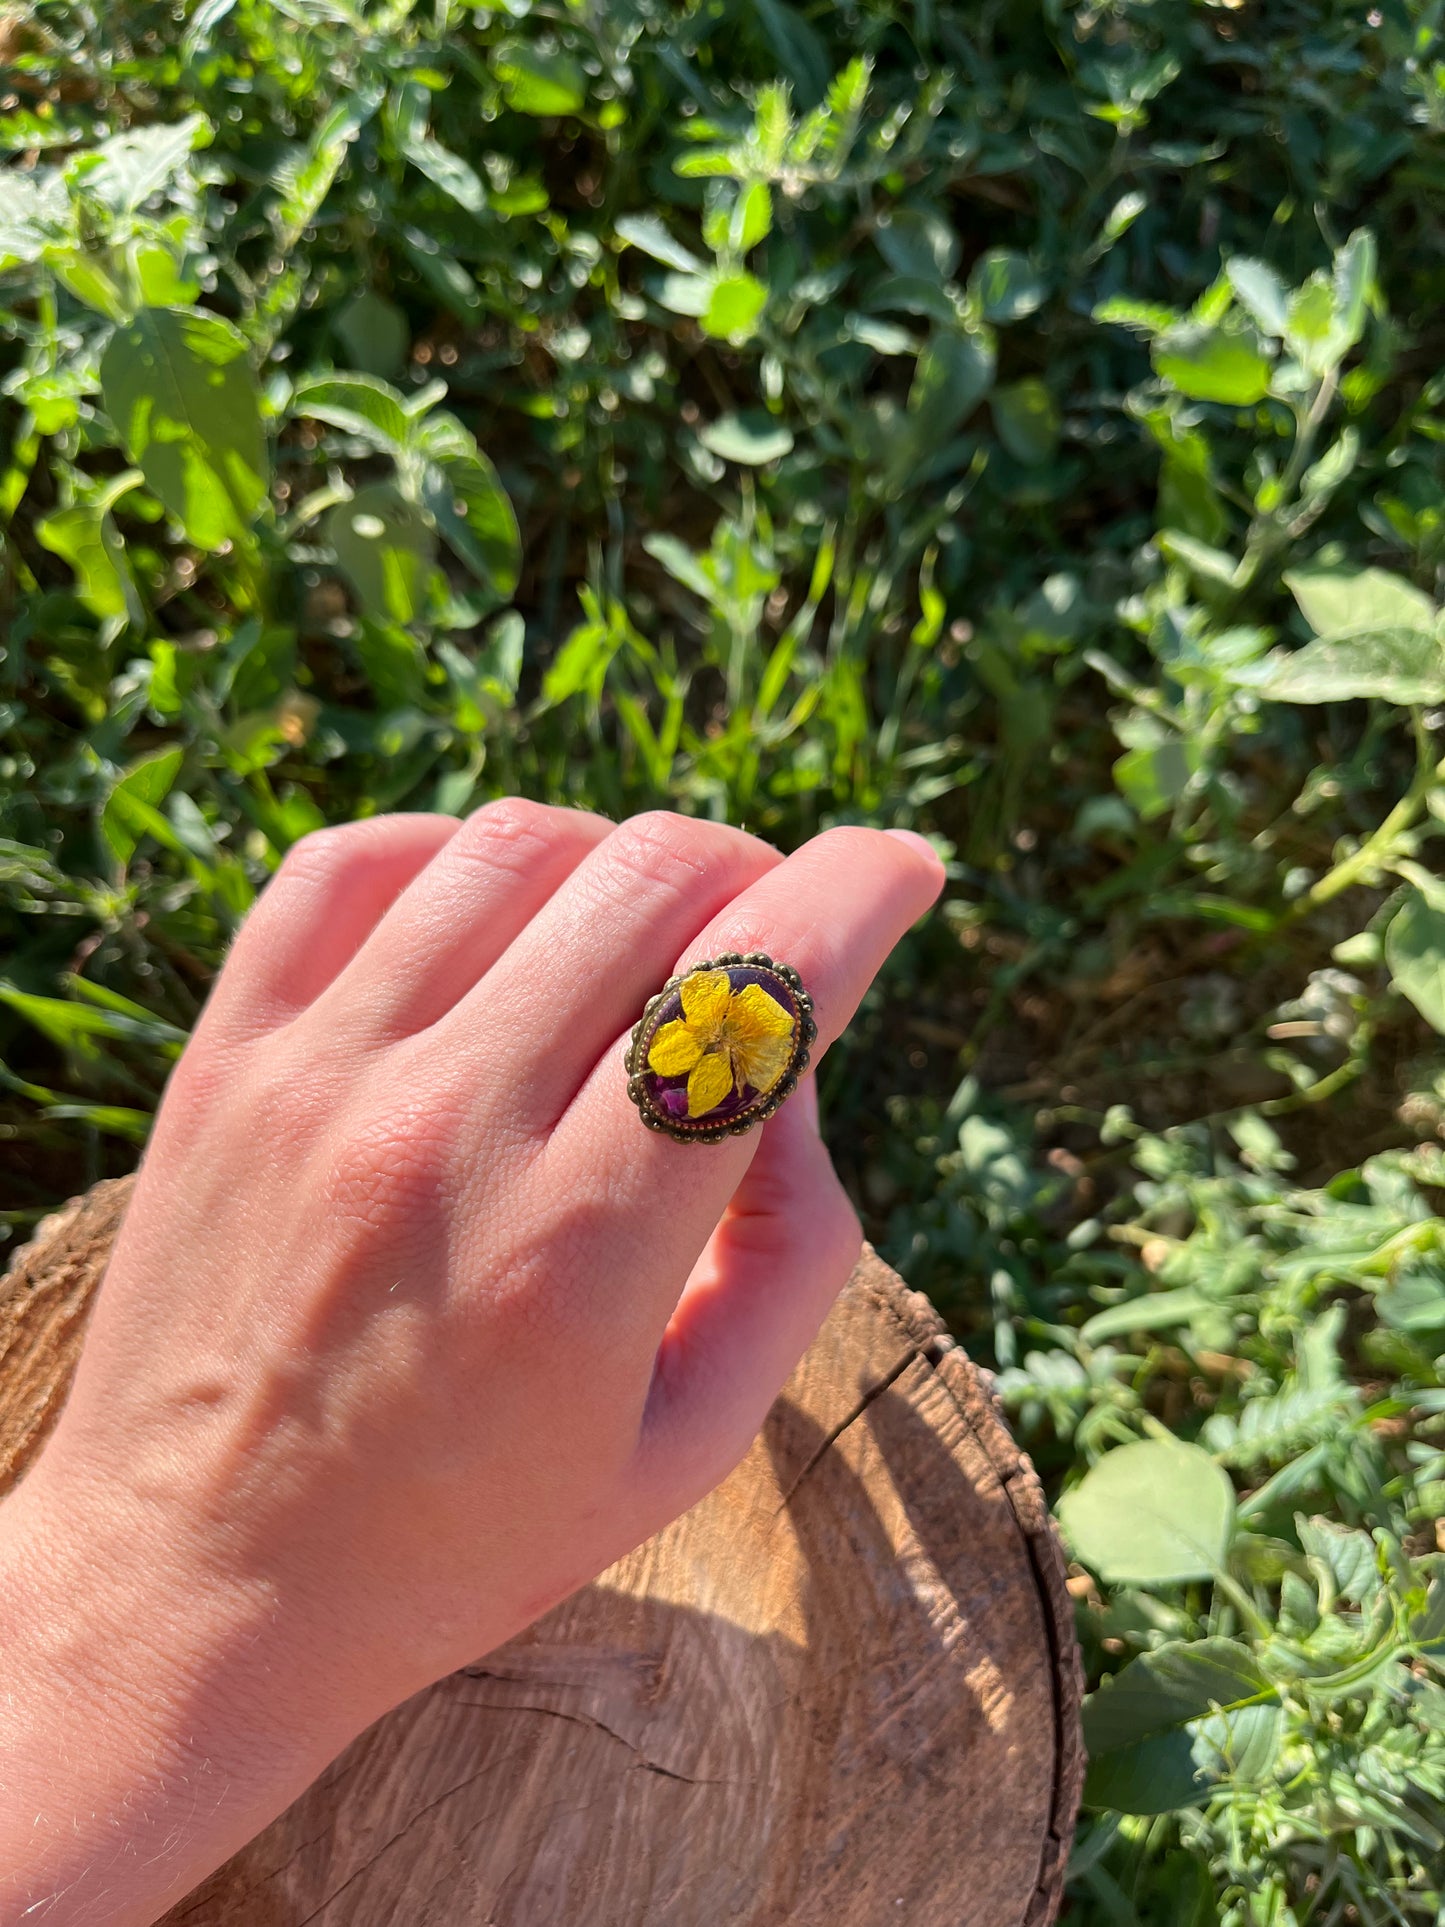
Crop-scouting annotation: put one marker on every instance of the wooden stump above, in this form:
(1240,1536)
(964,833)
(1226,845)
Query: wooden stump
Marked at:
(841,1692)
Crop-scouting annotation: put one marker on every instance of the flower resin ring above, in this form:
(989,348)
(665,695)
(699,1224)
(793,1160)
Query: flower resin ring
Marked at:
(719,1048)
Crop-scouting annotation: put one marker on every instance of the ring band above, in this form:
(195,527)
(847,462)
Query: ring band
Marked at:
(720,1047)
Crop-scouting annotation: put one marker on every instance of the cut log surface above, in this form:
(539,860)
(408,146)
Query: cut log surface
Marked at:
(840,1692)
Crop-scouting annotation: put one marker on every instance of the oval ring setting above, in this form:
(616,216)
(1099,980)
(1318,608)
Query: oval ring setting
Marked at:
(720,1047)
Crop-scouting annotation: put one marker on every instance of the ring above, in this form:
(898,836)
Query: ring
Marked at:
(719,1048)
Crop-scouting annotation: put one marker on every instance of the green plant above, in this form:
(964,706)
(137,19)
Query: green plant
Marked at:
(1023,422)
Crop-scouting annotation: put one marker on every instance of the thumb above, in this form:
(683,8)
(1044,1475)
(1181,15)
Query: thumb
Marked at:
(782,1252)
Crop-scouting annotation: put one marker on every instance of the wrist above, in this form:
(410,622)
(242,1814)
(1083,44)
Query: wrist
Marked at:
(156,1716)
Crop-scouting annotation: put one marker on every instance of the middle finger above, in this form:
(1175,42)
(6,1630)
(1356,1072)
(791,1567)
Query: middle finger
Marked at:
(576,975)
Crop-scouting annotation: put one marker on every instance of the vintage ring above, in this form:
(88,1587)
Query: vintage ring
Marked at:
(719,1048)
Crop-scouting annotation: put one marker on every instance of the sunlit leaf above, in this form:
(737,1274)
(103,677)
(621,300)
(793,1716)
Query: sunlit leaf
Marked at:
(146,782)
(1333,600)
(127,169)
(1155,1513)
(1007,286)
(1161,1729)
(538,82)
(1395,665)
(179,386)
(359,405)
(647,233)
(750,440)
(734,306)
(1209,364)
(89,541)
(386,548)
(1261,291)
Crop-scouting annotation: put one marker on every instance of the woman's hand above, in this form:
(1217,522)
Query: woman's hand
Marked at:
(412,1327)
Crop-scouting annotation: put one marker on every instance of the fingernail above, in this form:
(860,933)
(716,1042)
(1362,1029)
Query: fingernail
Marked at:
(918,842)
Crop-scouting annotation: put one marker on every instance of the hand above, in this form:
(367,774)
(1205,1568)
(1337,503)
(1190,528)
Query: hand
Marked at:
(412,1328)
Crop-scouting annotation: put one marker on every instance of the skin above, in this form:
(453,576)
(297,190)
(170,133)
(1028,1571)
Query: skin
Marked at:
(412,1328)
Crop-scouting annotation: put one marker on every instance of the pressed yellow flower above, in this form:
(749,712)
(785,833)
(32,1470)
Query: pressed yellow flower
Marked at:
(724,1039)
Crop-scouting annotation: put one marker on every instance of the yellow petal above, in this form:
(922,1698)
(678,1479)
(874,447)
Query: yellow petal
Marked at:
(755,1014)
(710,1083)
(673,1051)
(705,1000)
(761,1061)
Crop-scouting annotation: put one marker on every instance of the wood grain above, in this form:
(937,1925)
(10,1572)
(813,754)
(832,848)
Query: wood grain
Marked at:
(840,1692)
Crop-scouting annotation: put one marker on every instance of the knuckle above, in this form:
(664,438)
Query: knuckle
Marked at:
(663,851)
(384,1172)
(511,834)
(516,816)
(320,853)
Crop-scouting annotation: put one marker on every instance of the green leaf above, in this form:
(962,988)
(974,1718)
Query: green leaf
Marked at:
(1316,332)
(72,1025)
(750,440)
(801,52)
(1154,1311)
(681,564)
(1153,1738)
(386,548)
(1211,364)
(1152,1514)
(1323,477)
(1026,417)
(126,170)
(1153,776)
(1349,1557)
(147,782)
(582,662)
(733,307)
(448,171)
(1201,558)
(89,541)
(687,294)
(954,373)
(647,233)
(534,81)
(918,241)
(751,220)
(34,215)
(89,278)
(306,176)
(1403,666)
(1415,953)
(1147,318)
(359,405)
(393,664)
(179,386)
(1354,280)
(374,333)
(1006,285)
(1334,600)
(465,498)
(1260,291)
(165,280)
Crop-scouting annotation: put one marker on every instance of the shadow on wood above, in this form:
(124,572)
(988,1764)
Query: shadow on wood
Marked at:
(840,1692)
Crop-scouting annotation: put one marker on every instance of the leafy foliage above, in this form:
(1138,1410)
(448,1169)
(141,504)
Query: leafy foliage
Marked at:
(1020,421)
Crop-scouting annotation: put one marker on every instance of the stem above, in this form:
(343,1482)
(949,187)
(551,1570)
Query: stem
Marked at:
(1374,853)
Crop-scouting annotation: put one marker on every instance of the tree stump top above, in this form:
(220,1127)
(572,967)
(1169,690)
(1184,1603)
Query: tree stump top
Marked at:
(841,1691)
